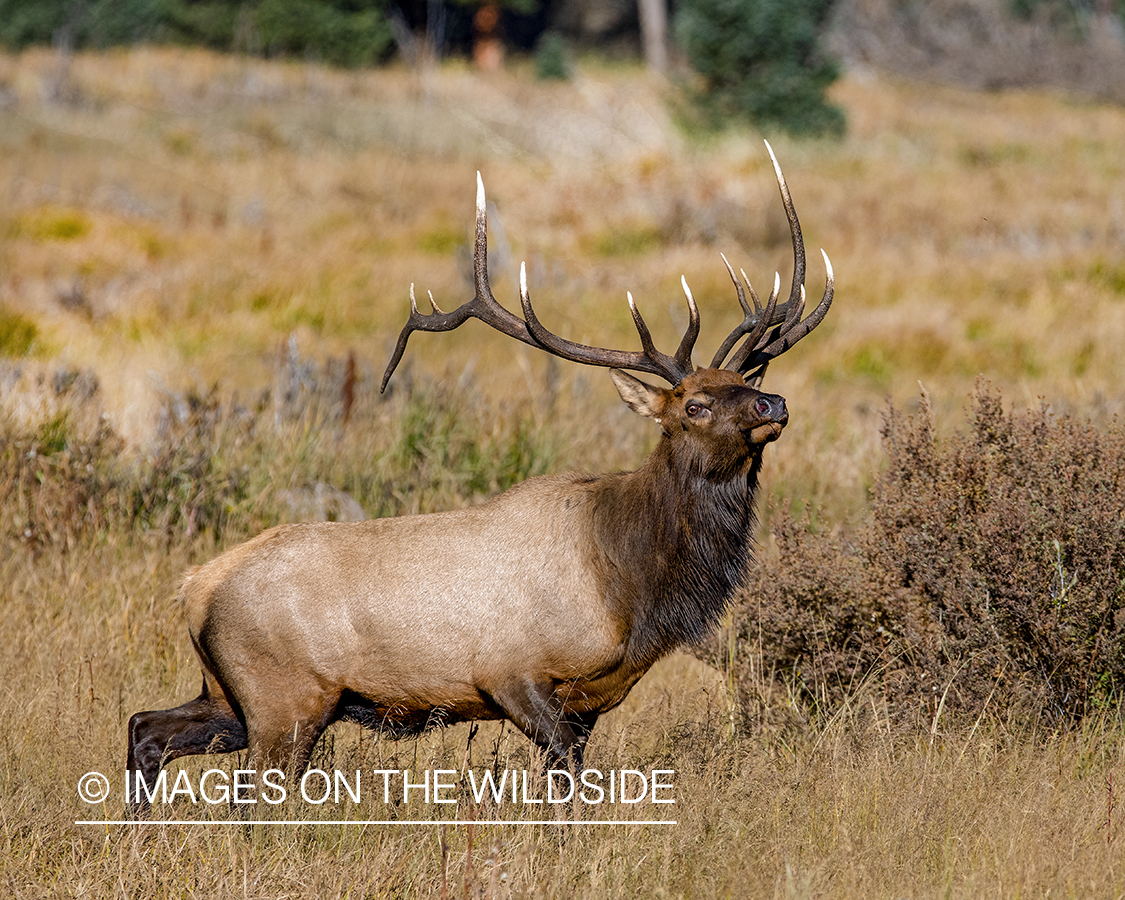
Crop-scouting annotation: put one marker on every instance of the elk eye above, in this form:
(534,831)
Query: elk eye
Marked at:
(695,410)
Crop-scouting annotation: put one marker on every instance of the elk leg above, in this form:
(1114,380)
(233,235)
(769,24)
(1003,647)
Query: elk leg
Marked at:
(206,724)
(535,710)
(284,738)
(583,724)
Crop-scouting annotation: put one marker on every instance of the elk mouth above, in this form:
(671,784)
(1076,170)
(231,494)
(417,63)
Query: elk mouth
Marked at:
(766,432)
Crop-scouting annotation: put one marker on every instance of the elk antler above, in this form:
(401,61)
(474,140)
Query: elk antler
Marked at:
(759,347)
(485,307)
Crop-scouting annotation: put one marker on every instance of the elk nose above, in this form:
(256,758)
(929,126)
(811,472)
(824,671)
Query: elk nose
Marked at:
(772,407)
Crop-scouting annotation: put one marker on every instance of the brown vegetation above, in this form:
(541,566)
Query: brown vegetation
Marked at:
(988,580)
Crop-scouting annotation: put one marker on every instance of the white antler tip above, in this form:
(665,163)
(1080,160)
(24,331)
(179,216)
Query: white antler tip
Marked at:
(687,290)
(480,193)
(523,279)
(827,264)
(776,166)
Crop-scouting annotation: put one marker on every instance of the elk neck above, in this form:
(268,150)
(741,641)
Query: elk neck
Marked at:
(674,543)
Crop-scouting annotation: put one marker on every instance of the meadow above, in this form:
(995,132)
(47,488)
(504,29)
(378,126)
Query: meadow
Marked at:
(204,263)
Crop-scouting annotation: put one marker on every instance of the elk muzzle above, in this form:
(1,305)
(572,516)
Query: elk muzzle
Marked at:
(766,416)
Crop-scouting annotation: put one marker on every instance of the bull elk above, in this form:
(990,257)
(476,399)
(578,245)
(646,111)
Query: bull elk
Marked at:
(542,606)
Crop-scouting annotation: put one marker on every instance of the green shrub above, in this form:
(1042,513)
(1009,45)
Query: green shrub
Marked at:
(225,471)
(551,63)
(342,32)
(760,60)
(991,571)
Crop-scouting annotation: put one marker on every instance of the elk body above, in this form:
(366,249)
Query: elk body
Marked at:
(543,606)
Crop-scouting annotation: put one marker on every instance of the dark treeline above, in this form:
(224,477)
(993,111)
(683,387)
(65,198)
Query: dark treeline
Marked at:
(342,32)
(339,32)
(758,60)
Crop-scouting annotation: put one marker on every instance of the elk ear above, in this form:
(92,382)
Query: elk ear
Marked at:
(640,397)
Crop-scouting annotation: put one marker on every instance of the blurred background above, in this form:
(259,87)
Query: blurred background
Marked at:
(186,188)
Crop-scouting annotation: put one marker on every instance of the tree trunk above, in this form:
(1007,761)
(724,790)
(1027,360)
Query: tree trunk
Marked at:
(654,33)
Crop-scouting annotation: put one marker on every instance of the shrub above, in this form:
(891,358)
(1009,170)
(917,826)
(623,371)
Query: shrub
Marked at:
(343,32)
(225,471)
(991,570)
(760,60)
(551,62)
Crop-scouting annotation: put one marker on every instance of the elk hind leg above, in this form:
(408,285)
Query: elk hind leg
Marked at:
(207,724)
(284,738)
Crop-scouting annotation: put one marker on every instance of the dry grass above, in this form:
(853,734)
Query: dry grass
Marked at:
(847,810)
(185,214)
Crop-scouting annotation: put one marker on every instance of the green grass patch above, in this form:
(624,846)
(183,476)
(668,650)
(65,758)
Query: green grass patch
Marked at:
(18,334)
(50,224)
(444,240)
(626,240)
(181,141)
(1110,275)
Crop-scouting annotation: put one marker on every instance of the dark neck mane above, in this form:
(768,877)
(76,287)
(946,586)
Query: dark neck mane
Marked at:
(676,546)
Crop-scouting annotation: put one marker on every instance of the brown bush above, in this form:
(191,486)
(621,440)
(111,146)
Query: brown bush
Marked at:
(991,569)
(226,471)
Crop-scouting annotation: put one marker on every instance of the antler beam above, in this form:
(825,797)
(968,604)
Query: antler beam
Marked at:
(485,307)
(759,347)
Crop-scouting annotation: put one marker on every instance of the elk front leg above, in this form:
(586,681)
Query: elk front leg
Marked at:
(583,724)
(533,707)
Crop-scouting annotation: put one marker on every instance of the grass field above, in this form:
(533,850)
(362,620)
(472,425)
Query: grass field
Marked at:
(191,246)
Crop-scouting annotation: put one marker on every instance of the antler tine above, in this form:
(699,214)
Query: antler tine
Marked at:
(758,350)
(754,322)
(687,342)
(785,315)
(483,306)
(771,315)
(784,338)
(794,229)
(651,360)
(750,287)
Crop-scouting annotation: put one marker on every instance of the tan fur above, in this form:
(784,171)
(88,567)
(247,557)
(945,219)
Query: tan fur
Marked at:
(371,607)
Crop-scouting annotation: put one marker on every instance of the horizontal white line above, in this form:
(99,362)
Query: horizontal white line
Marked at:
(373,822)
